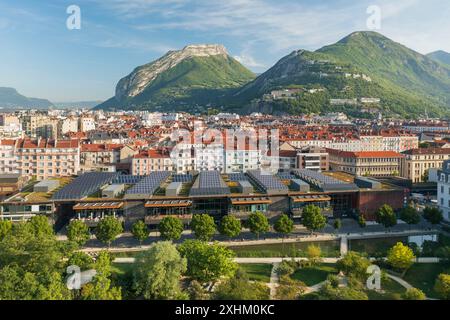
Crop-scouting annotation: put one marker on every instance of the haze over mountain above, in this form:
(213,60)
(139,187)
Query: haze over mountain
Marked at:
(441,56)
(77,104)
(197,74)
(10,98)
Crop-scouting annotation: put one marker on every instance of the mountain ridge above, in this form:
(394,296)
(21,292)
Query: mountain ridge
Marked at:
(11,98)
(179,77)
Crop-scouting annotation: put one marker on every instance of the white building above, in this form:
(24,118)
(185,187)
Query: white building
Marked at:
(87,124)
(443,186)
(8,159)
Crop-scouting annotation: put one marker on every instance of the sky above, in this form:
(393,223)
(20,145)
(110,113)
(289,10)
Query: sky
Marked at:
(41,57)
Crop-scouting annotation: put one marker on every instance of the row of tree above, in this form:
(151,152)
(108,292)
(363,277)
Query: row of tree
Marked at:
(203,226)
(388,218)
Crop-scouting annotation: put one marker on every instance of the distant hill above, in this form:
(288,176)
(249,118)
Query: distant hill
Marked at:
(77,104)
(10,98)
(441,56)
(363,64)
(196,75)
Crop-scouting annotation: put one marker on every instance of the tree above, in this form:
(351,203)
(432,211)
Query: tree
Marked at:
(328,292)
(40,226)
(426,175)
(337,224)
(203,226)
(313,253)
(158,272)
(354,264)
(362,221)
(239,287)
(5,228)
(386,216)
(313,219)
(101,286)
(139,231)
(78,232)
(108,229)
(400,257)
(433,215)
(442,286)
(284,225)
(230,226)
(197,292)
(414,294)
(410,215)
(289,289)
(170,228)
(257,223)
(81,259)
(207,262)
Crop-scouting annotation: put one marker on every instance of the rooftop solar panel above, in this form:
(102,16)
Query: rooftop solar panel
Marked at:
(209,183)
(237,177)
(185,178)
(267,182)
(84,185)
(326,183)
(127,179)
(149,184)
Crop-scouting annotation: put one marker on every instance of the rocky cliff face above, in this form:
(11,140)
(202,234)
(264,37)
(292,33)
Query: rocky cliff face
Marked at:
(136,82)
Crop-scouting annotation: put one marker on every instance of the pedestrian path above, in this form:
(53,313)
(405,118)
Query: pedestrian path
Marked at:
(274,281)
(344,245)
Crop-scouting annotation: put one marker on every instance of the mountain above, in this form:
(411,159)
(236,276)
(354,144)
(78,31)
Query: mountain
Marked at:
(363,64)
(77,104)
(441,56)
(10,98)
(195,75)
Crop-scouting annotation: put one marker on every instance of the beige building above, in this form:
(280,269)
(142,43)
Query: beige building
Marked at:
(45,158)
(417,162)
(151,160)
(366,163)
(40,126)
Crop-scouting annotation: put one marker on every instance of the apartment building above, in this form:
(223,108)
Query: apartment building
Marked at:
(417,162)
(99,157)
(241,157)
(40,126)
(67,125)
(10,127)
(366,163)
(87,124)
(45,158)
(443,188)
(151,160)
(8,159)
(312,158)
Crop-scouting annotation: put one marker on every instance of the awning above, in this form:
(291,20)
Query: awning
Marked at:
(311,198)
(98,205)
(168,203)
(250,200)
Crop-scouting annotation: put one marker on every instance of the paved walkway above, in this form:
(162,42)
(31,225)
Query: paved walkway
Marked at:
(274,281)
(344,245)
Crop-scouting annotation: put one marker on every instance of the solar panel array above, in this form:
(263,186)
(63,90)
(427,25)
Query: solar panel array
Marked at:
(127,179)
(267,182)
(237,177)
(209,183)
(324,182)
(149,184)
(286,176)
(84,185)
(185,178)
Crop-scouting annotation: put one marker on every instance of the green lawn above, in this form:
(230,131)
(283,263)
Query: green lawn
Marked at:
(314,275)
(258,271)
(392,291)
(295,249)
(423,276)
